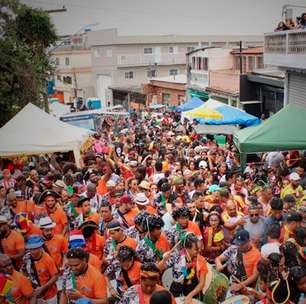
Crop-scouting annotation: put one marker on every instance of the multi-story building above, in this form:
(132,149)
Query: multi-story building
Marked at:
(220,71)
(169,90)
(121,64)
(287,51)
(73,75)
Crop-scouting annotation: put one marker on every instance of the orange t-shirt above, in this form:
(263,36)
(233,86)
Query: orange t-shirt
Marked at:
(95,245)
(57,247)
(134,275)
(250,260)
(22,287)
(24,206)
(59,217)
(94,261)
(46,269)
(92,284)
(202,268)
(147,297)
(130,217)
(194,228)
(101,188)
(148,209)
(128,242)
(13,243)
(95,217)
(162,244)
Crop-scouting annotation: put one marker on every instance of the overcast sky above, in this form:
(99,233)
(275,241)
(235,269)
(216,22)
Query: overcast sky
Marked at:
(141,17)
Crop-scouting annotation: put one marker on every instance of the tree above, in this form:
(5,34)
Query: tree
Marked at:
(25,66)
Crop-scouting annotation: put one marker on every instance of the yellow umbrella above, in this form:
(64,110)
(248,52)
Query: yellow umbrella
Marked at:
(203,112)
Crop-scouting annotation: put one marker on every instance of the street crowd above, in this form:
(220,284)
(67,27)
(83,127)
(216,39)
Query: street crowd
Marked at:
(154,214)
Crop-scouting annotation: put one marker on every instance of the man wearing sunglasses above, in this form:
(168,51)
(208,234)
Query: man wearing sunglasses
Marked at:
(254,224)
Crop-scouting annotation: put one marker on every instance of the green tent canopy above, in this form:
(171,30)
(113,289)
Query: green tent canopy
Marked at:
(284,131)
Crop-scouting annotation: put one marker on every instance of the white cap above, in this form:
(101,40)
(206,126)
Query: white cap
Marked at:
(203,164)
(294,177)
(141,199)
(46,223)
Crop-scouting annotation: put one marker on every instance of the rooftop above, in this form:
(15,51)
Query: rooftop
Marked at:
(111,37)
(181,78)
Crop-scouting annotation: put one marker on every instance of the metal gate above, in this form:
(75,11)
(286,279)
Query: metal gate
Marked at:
(297,88)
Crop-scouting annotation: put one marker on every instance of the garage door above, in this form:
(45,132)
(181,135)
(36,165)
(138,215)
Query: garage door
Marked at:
(297,88)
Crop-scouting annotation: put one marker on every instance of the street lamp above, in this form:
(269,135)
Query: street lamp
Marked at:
(86,27)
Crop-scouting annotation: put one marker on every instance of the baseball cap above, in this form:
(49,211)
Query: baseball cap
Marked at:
(241,237)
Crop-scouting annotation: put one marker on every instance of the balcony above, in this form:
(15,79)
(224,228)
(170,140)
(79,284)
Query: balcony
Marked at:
(150,59)
(199,79)
(227,81)
(286,49)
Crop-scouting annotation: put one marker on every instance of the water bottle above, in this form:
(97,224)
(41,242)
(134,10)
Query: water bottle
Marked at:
(301,299)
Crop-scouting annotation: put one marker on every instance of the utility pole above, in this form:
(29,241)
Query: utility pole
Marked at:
(45,94)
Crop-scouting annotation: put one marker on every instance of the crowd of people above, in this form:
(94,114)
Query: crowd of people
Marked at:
(155,214)
(289,24)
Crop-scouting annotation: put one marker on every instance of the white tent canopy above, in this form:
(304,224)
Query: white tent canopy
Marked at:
(32,131)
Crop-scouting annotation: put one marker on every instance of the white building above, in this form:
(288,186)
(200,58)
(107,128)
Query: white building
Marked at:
(287,50)
(121,64)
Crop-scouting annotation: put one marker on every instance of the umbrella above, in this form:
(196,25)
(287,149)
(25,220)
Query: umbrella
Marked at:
(203,112)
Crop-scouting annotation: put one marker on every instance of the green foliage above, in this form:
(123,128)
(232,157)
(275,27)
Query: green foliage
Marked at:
(25,33)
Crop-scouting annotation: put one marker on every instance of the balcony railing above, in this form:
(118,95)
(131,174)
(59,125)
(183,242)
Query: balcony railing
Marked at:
(151,59)
(199,78)
(286,49)
(227,81)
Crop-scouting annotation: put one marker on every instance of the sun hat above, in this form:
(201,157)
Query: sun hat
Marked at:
(59,184)
(141,199)
(46,223)
(34,242)
(144,185)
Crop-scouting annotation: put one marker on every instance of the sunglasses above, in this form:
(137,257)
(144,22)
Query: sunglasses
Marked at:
(253,215)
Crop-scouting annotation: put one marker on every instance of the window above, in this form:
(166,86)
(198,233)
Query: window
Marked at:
(171,50)
(67,61)
(97,52)
(129,75)
(260,64)
(59,77)
(67,79)
(57,61)
(193,63)
(148,50)
(151,73)
(166,97)
(109,53)
(173,72)
(205,64)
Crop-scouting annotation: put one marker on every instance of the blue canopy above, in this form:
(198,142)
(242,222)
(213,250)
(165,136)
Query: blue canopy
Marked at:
(231,115)
(190,105)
